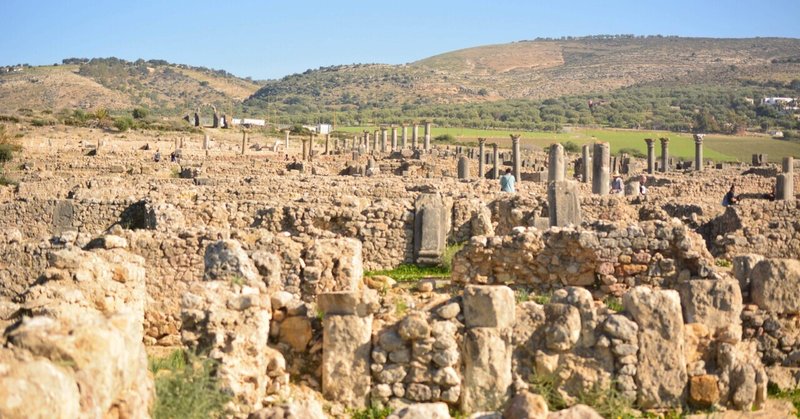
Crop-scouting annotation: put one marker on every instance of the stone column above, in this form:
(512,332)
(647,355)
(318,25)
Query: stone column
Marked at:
(556,164)
(481,157)
(286,140)
(651,155)
(586,171)
(244,142)
(664,154)
(698,152)
(327,143)
(404,138)
(495,162)
(600,169)
(177,143)
(182,141)
(376,141)
(310,146)
(305,149)
(206,142)
(487,347)
(415,136)
(516,158)
(215,122)
(427,135)
(346,348)
(784,183)
(366,141)
(394,138)
(463,167)
(384,139)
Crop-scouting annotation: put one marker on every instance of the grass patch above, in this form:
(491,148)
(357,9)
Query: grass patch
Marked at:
(409,272)
(372,412)
(607,401)
(449,253)
(542,298)
(723,263)
(546,386)
(792,396)
(522,295)
(186,388)
(400,307)
(613,303)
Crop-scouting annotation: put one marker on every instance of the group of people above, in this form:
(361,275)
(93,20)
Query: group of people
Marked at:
(508,182)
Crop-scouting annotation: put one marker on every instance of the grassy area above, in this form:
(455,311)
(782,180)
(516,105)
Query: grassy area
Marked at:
(409,272)
(792,395)
(186,388)
(716,147)
(372,412)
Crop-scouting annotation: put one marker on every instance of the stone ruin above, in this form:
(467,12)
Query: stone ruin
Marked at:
(267,266)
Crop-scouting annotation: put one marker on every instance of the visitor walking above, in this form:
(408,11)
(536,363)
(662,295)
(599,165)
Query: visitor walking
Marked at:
(507,182)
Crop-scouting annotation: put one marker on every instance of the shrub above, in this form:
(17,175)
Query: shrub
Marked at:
(631,152)
(186,388)
(372,412)
(445,138)
(447,257)
(140,113)
(123,123)
(571,147)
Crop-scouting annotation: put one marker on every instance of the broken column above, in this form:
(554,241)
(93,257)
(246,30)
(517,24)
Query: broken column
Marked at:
(286,140)
(327,143)
(556,165)
(431,226)
(651,156)
(481,157)
(366,141)
(463,167)
(487,347)
(585,159)
(516,158)
(698,152)
(215,121)
(196,119)
(346,347)
(376,141)
(664,154)
(206,142)
(394,138)
(495,162)
(600,169)
(244,142)
(414,136)
(784,183)
(384,139)
(427,135)
(404,138)
(563,203)
(305,149)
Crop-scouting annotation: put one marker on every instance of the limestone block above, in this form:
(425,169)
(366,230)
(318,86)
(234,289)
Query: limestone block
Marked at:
(225,259)
(581,299)
(715,303)
(488,306)
(526,405)
(563,327)
(703,391)
(775,285)
(333,265)
(579,411)
(563,203)
(345,359)
(661,370)
(487,369)
(422,411)
(742,266)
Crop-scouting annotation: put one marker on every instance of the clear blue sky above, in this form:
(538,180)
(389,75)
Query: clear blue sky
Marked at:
(270,39)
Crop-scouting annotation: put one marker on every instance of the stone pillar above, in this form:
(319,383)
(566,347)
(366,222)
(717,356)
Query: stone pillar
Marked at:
(556,165)
(286,140)
(563,203)
(600,169)
(215,123)
(698,152)
(463,167)
(481,157)
(206,142)
(664,154)
(516,157)
(651,156)
(427,135)
(327,144)
(225,121)
(394,138)
(495,162)
(415,136)
(384,139)
(784,183)
(346,348)
(305,149)
(404,138)
(244,142)
(177,143)
(182,141)
(586,171)
(632,188)
(487,347)
(366,141)
(196,119)
(376,141)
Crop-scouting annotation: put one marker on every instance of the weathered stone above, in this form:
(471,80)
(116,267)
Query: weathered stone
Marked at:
(414,326)
(563,202)
(620,327)
(703,391)
(742,266)
(526,406)
(431,222)
(333,265)
(422,411)
(449,311)
(661,372)
(296,332)
(579,411)
(775,285)
(225,259)
(487,369)
(488,306)
(715,303)
(563,327)
(345,359)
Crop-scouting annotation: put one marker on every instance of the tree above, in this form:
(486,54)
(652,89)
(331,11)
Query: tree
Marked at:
(140,113)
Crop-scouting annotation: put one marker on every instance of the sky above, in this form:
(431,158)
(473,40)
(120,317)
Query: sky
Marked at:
(271,39)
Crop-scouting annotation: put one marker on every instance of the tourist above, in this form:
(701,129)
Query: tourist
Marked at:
(157,157)
(507,182)
(642,183)
(616,184)
(730,197)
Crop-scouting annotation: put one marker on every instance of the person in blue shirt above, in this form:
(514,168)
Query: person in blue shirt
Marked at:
(730,197)
(507,182)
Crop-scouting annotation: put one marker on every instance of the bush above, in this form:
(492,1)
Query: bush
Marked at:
(186,388)
(445,138)
(632,152)
(123,123)
(140,113)
(372,412)
(571,147)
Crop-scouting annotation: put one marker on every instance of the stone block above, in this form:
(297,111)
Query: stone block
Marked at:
(775,285)
(487,369)
(714,303)
(488,306)
(345,359)
(563,202)
(703,391)
(742,266)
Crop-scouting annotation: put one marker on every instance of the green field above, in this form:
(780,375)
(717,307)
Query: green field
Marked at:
(716,147)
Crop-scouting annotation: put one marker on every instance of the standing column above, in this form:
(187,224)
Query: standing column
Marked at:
(376,140)
(651,155)
(600,172)
(427,135)
(310,154)
(394,138)
(495,162)
(784,183)
(586,159)
(327,143)
(405,136)
(664,154)
(305,149)
(206,142)
(517,159)
(384,139)
(286,140)
(244,142)
(555,167)
(415,136)
(366,141)
(481,154)
(698,152)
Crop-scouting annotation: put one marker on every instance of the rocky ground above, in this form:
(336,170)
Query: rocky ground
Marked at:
(265,264)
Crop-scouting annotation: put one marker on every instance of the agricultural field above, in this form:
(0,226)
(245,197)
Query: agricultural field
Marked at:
(716,147)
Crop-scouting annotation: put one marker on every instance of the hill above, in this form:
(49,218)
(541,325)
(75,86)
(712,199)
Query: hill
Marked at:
(115,84)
